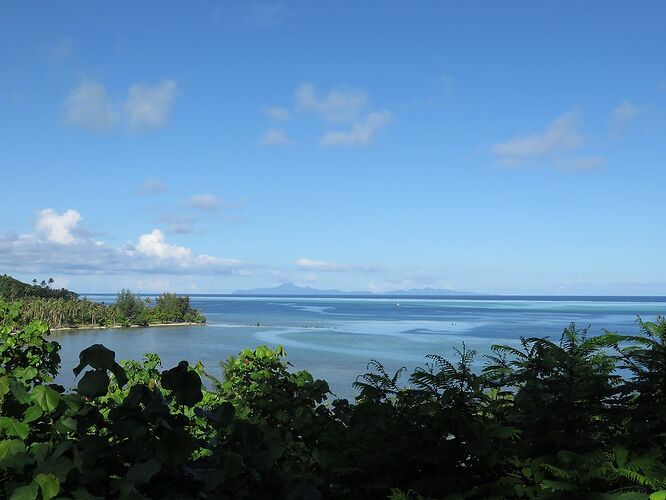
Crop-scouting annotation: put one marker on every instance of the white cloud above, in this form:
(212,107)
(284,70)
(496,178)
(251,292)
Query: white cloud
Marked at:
(328,266)
(560,135)
(339,105)
(57,228)
(206,202)
(152,185)
(148,106)
(275,137)
(88,106)
(154,244)
(55,247)
(277,113)
(622,116)
(361,133)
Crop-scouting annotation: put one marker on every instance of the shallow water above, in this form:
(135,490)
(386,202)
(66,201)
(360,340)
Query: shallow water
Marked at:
(334,338)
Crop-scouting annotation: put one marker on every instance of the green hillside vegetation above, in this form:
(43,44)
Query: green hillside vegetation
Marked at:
(551,419)
(13,289)
(63,309)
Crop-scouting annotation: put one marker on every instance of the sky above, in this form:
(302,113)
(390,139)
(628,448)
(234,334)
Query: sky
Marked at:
(210,146)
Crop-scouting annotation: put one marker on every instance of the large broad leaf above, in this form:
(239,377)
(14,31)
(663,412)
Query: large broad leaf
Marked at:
(4,385)
(19,391)
(32,413)
(13,427)
(101,358)
(143,472)
(185,384)
(9,450)
(94,384)
(27,492)
(175,446)
(97,356)
(49,485)
(45,397)
(119,372)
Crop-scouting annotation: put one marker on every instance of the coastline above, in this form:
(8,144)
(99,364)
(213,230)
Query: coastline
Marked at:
(105,327)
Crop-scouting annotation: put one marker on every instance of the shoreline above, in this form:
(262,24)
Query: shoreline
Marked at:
(105,327)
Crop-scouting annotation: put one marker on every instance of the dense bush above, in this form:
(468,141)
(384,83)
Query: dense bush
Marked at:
(545,420)
(128,309)
(172,308)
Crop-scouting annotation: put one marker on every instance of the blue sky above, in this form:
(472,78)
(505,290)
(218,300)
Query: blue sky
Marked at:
(513,147)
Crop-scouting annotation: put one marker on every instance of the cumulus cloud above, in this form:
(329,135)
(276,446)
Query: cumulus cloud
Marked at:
(57,228)
(339,105)
(88,106)
(277,113)
(560,135)
(54,247)
(275,137)
(148,106)
(328,266)
(361,133)
(622,116)
(152,185)
(154,244)
(206,202)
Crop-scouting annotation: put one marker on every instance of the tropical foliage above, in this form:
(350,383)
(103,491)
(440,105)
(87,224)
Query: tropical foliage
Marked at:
(582,417)
(63,308)
(13,289)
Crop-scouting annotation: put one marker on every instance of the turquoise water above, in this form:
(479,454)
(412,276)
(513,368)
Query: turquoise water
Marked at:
(334,338)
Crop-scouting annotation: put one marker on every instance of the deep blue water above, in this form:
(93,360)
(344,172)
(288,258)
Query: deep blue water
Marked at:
(335,337)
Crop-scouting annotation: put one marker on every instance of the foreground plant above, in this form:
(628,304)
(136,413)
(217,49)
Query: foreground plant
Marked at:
(545,420)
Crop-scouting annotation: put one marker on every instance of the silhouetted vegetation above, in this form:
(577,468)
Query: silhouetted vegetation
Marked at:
(582,417)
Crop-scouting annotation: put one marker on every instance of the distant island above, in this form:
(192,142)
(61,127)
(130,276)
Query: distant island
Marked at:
(287,289)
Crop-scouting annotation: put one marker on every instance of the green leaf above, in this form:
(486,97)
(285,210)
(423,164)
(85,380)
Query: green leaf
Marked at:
(94,383)
(4,385)
(47,398)
(60,467)
(39,451)
(49,485)
(19,391)
(9,450)
(27,492)
(32,413)
(66,424)
(658,495)
(13,427)
(143,472)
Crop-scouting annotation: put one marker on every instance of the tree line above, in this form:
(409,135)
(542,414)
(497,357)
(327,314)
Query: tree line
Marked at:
(580,417)
(64,309)
(128,310)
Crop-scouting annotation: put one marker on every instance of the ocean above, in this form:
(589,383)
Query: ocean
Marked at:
(335,337)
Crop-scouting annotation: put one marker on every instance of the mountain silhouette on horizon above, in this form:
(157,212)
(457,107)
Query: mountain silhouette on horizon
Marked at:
(293,289)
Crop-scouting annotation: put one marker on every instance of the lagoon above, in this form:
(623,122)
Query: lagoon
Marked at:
(335,337)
